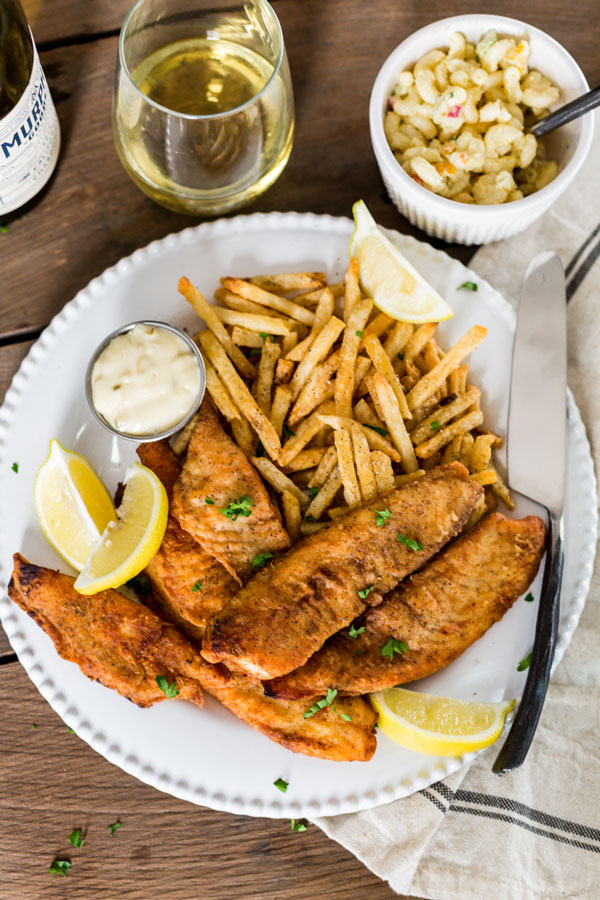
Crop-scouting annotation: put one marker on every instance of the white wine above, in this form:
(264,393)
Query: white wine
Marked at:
(29,131)
(219,161)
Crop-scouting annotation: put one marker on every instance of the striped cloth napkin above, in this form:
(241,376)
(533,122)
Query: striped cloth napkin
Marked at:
(533,834)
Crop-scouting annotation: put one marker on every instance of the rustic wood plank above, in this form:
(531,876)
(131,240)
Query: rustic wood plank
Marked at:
(52,783)
(64,20)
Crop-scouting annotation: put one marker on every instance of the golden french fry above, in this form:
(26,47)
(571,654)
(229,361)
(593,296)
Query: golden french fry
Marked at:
(325,467)
(324,310)
(321,346)
(365,415)
(266,373)
(310,527)
(466,450)
(418,340)
(452,451)
(476,513)
(343,445)
(180,442)
(399,480)
(482,452)
(283,371)
(334,512)
(304,433)
(279,409)
(384,474)
(432,461)
(491,502)
(244,437)
(291,515)
(486,476)
(431,382)
(397,338)
(430,356)
(307,459)
(289,281)
(374,440)
(277,479)
(318,388)
(299,349)
(363,464)
(443,414)
(361,367)
(243,338)
(240,394)
(289,342)
(234,301)
(383,365)
(264,324)
(312,297)
(502,492)
(352,288)
(445,435)
(214,324)
(220,395)
(344,382)
(384,397)
(326,494)
(457,380)
(265,298)
(378,325)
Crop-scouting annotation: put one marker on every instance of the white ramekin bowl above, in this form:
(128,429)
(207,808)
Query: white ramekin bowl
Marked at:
(479,224)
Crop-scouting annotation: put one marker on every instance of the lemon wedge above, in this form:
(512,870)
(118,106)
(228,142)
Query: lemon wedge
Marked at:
(387,276)
(129,543)
(438,726)
(72,504)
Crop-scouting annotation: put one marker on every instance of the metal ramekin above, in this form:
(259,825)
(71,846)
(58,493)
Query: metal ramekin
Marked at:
(157,436)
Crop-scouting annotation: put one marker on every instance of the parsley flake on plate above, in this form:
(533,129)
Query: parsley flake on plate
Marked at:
(299,825)
(321,704)
(524,664)
(60,867)
(467,286)
(140,585)
(408,542)
(393,646)
(33,727)
(197,586)
(381,516)
(364,593)
(114,826)
(261,559)
(281,785)
(288,432)
(354,632)
(376,428)
(169,690)
(435,426)
(15,468)
(76,838)
(529,598)
(240,507)
(209,500)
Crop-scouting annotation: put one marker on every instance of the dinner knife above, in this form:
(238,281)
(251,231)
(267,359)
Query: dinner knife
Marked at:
(536,467)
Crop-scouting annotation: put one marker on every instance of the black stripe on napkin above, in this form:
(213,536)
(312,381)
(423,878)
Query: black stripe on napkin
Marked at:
(510,820)
(581,250)
(444,790)
(441,806)
(583,270)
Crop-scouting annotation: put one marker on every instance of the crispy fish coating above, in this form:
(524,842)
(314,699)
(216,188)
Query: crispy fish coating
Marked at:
(189,585)
(216,468)
(290,608)
(113,639)
(437,613)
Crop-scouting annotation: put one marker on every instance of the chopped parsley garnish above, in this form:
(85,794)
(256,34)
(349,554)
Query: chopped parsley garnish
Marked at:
(376,428)
(267,337)
(309,519)
(344,716)
(359,652)
(393,646)
(209,500)
(240,507)
(467,286)
(15,468)
(114,826)
(524,664)
(529,598)
(70,730)
(364,593)
(261,559)
(33,727)
(299,825)
(321,704)
(435,426)
(197,586)
(408,542)
(381,516)
(253,351)
(401,356)
(288,432)
(359,334)
(140,585)
(281,785)
(314,491)
(354,632)
(60,867)
(169,689)
(76,838)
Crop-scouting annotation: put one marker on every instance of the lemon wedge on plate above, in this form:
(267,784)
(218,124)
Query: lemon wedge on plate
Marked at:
(129,543)
(71,503)
(438,726)
(387,276)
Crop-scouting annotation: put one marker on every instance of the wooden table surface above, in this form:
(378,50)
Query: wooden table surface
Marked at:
(88,217)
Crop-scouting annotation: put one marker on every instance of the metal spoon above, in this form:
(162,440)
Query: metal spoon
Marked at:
(567,113)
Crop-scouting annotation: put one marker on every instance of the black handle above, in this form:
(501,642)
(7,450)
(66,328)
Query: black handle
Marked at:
(566,113)
(523,728)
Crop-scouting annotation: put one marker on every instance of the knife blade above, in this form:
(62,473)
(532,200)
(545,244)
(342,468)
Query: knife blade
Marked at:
(536,467)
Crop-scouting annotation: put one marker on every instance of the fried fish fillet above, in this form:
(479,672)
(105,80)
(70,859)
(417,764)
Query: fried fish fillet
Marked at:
(288,610)
(215,468)
(113,639)
(189,584)
(437,613)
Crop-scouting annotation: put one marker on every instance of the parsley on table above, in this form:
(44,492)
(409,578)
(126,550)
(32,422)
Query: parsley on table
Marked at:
(408,542)
(314,491)
(467,286)
(60,867)
(140,585)
(197,586)
(15,468)
(33,727)
(299,825)
(342,715)
(114,826)
(359,334)
(169,689)
(321,704)
(354,632)
(209,501)
(261,559)
(381,516)
(281,785)
(239,507)
(364,593)
(376,428)
(524,664)
(288,432)
(529,598)
(393,646)
(76,838)
(401,356)
(435,426)
(70,730)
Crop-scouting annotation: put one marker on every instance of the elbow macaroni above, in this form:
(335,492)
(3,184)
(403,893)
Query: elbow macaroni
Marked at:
(456,123)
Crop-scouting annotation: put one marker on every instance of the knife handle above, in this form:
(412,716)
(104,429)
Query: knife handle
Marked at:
(523,728)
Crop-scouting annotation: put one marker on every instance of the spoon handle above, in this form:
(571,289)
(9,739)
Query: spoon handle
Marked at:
(566,113)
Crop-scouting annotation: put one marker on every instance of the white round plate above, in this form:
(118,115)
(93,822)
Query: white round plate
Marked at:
(206,755)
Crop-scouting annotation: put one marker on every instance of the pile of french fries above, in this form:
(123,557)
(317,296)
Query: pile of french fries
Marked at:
(334,410)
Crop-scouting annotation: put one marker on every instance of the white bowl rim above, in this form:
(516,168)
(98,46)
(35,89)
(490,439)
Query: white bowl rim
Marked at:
(446,205)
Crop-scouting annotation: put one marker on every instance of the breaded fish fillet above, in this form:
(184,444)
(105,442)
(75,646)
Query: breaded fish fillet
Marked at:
(189,584)
(437,613)
(291,607)
(215,468)
(113,639)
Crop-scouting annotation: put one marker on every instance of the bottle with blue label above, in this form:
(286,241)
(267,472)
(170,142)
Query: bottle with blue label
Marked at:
(29,130)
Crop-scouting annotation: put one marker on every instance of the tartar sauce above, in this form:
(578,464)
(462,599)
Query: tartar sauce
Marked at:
(145,381)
